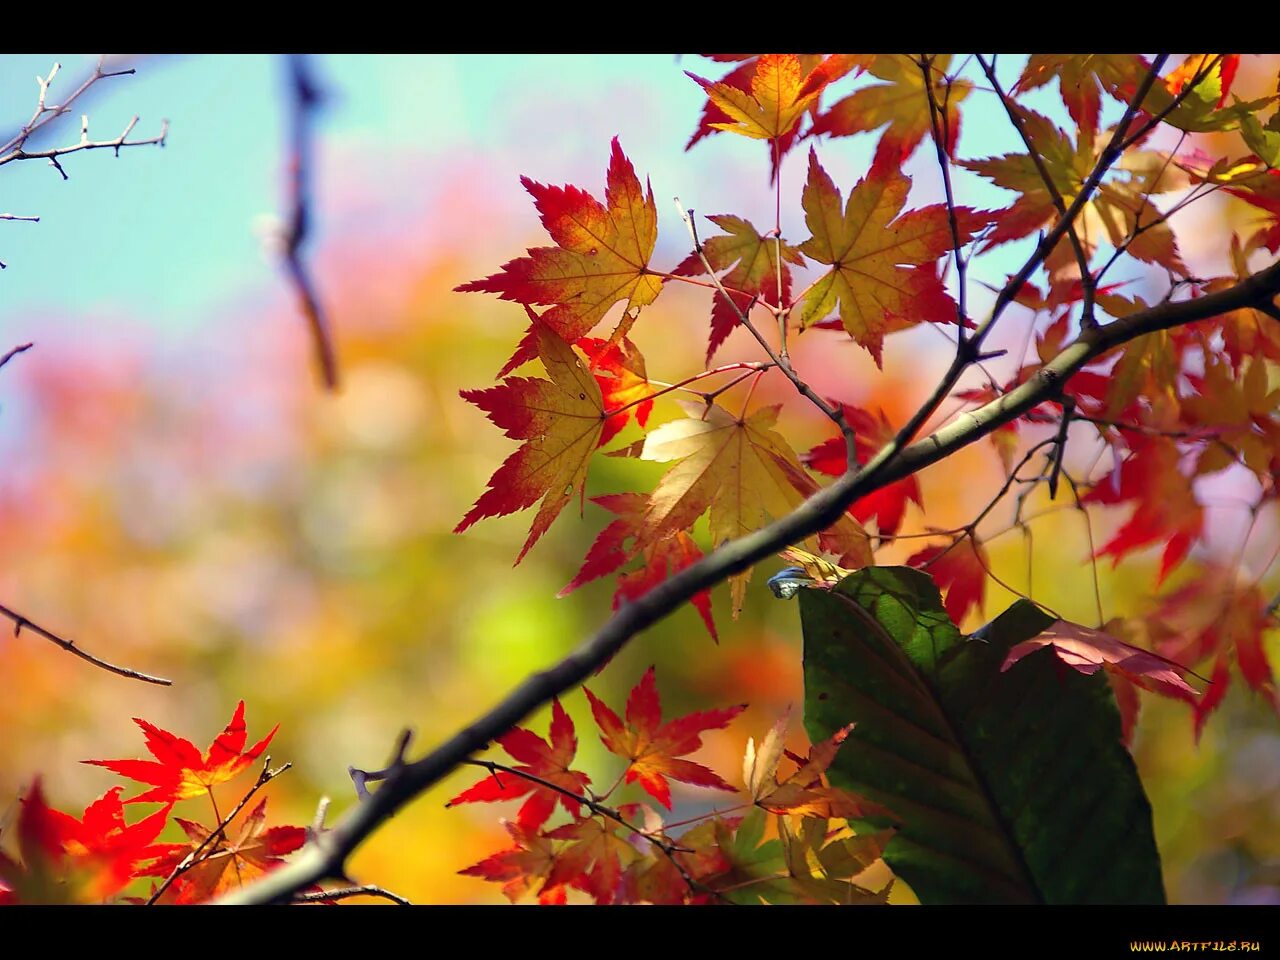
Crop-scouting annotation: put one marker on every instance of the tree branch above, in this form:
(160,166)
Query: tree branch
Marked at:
(21,623)
(305,99)
(321,861)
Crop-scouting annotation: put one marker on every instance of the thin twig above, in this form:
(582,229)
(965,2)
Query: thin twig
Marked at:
(344,893)
(304,102)
(938,121)
(193,858)
(21,348)
(782,362)
(21,623)
(1082,257)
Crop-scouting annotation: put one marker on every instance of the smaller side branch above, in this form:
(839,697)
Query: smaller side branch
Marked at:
(21,623)
(1082,257)
(21,348)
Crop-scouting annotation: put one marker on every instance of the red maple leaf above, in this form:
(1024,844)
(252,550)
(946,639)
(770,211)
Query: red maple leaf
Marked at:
(1166,508)
(871,432)
(522,867)
(65,860)
(547,760)
(601,256)
(651,747)
(180,771)
(620,374)
(959,570)
(663,558)
(1089,651)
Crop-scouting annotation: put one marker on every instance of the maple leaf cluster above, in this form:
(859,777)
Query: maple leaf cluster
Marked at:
(1167,409)
(625,853)
(94,858)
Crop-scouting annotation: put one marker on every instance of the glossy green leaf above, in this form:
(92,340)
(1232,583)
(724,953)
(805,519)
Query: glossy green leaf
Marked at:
(1012,787)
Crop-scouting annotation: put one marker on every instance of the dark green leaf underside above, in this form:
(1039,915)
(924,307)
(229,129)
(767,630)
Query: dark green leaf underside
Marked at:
(1012,787)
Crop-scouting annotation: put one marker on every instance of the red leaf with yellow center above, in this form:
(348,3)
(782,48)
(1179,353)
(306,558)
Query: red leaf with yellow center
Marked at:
(546,759)
(620,375)
(180,771)
(601,257)
(653,748)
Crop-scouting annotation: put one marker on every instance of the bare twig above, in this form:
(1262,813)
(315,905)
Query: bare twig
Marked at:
(779,360)
(21,623)
(938,121)
(1082,257)
(305,100)
(344,893)
(21,348)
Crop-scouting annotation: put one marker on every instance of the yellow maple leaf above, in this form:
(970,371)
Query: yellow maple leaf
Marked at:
(744,472)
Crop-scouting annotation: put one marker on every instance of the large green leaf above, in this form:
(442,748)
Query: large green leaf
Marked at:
(1012,787)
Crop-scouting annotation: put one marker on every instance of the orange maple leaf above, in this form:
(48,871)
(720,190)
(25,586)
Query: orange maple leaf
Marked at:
(561,421)
(902,103)
(225,865)
(882,277)
(522,867)
(651,747)
(601,257)
(179,771)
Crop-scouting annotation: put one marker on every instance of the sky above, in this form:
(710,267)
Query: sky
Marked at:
(165,236)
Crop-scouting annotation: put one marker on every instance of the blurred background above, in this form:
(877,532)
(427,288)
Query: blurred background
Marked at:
(179,495)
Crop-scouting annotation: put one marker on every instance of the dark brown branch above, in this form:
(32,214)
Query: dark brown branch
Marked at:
(305,99)
(344,893)
(21,348)
(318,862)
(938,121)
(21,623)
